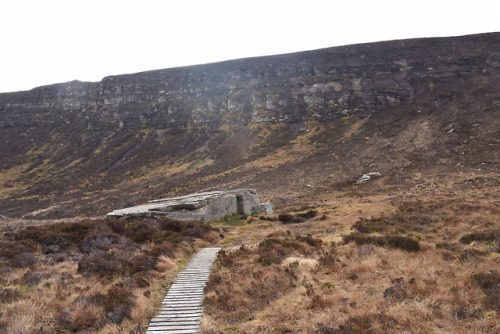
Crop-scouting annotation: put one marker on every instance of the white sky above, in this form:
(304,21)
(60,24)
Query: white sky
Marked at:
(49,41)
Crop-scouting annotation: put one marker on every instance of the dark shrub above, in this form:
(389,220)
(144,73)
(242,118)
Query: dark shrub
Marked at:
(77,321)
(308,215)
(119,303)
(23,260)
(285,218)
(141,281)
(196,229)
(400,242)
(118,226)
(274,250)
(95,299)
(18,253)
(141,232)
(97,241)
(100,263)
(9,295)
(169,224)
(3,327)
(490,284)
(464,311)
(487,280)
(61,235)
(117,260)
(314,242)
(405,243)
(141,263)
(328,260)
(32,279)
(59,240)
(224,260)
(268,260)
(487,236)
(365,225)
(397,291)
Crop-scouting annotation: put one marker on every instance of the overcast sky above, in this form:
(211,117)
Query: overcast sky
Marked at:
(50,41)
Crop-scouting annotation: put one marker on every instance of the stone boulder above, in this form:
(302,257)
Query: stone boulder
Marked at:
(246,200)
(263,208)
(207,206)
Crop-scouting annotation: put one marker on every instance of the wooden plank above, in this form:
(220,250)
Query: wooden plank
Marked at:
(179,317)
(177,325)
(182,308)
(174,328)
(185,331)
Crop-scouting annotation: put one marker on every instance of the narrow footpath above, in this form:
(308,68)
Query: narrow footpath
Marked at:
(182,310)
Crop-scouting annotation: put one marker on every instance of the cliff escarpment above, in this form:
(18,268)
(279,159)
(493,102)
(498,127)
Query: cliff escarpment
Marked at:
(276,123)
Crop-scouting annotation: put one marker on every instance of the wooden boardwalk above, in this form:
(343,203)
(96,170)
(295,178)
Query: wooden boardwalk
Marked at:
(182,310)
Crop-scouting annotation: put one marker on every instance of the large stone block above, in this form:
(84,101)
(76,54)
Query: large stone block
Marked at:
(207,206)
(263,208)
(246,200)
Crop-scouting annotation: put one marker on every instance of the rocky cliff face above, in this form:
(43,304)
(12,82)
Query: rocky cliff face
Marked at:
(200,121)
(324,84)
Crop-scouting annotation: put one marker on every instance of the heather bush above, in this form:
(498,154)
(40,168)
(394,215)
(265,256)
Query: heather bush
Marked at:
(9,295)
(118,303)
(100,242)
(287,218)
(169,224)
(488,236)
(196,229)
(9,249)
(391,241)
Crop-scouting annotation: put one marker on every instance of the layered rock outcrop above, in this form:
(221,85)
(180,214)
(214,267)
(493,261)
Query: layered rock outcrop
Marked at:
(207,206)
(323,84)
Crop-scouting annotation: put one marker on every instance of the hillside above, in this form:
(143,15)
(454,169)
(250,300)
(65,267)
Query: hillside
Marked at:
(413,249)
(423,112)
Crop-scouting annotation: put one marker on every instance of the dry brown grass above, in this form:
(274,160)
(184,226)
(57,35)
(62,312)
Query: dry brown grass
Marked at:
(364,288)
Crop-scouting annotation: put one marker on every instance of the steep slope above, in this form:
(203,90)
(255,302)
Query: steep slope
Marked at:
(408,109)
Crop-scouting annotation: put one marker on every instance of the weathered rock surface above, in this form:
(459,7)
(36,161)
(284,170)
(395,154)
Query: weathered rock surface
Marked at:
(263,208)
(247,200)
(207,206)
(366,177)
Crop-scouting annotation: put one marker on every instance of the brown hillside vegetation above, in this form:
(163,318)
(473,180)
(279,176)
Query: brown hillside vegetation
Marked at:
(92,276)
(355,263)
(413,267)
